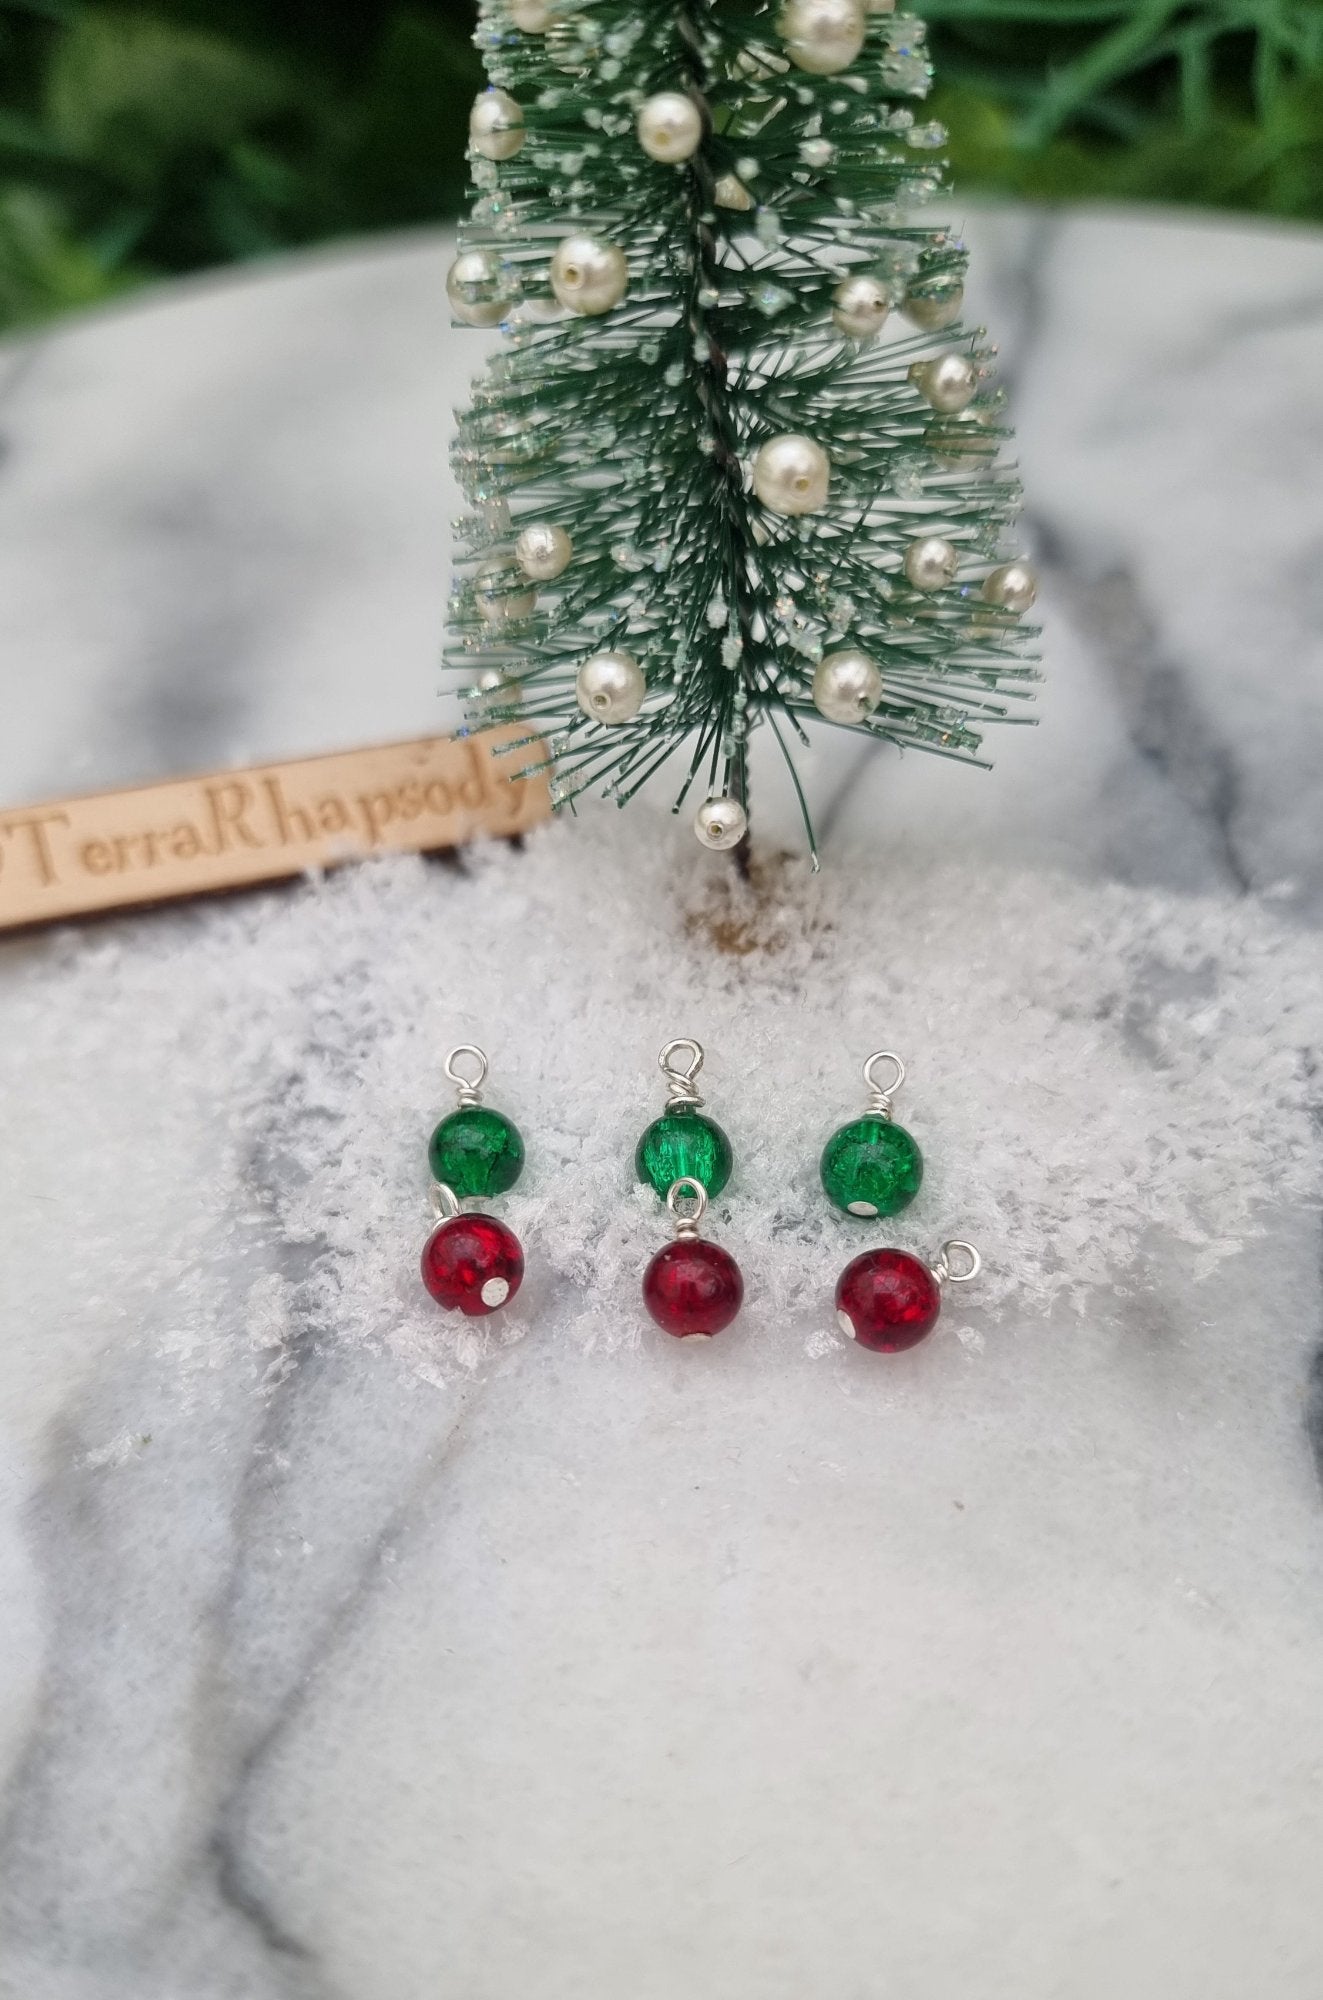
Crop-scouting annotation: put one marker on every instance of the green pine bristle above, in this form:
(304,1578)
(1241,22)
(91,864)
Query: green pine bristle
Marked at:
(634,430)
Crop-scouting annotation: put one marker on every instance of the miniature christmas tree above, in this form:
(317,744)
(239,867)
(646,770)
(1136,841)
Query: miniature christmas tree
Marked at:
(737,462)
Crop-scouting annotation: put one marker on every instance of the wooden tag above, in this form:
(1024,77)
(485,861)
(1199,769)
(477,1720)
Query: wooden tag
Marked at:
(190,836)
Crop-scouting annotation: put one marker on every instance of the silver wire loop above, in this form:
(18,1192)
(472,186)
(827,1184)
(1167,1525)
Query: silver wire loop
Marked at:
(687,1189)
(879,1097)
(941,1267)
(680,1079)
(444,1200)
(470,1088)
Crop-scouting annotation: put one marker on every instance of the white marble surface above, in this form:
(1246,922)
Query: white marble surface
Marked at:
(344,1661)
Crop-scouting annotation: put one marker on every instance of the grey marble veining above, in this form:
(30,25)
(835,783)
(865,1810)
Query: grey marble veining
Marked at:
(330,1674)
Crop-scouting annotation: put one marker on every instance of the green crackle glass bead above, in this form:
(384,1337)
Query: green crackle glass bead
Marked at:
(871,1167)
(684,1145)
(476,1151)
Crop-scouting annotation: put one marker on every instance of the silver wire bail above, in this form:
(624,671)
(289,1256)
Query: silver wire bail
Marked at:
(681,1087)
(879,1097)
(941,1265)
(470,1088)
(687,1189)
(444,1200)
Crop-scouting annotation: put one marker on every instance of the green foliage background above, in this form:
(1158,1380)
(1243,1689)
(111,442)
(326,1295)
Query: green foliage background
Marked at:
(140,141)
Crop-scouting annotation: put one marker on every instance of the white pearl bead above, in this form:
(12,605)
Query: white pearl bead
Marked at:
(531,17)
(822,36)
(791,475)
(498,594)
(496,125)
(962,443)
(930,563)
(588,274)
(949,383)
(543,551)
(1013,587)
(847,686)
(476,289)
(670,127)
(721,823)
(729,192)
(610,687)
(936,307)
(493,690)
(860,305)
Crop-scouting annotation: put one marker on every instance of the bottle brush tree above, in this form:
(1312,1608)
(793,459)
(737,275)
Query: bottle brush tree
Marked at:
(738,461)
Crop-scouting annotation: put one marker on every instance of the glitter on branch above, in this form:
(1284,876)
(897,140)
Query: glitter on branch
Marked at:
(739,461)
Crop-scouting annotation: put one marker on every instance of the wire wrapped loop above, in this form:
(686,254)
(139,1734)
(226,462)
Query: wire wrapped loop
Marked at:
(470,1088)
(689,1191)
(444,1200)
(969,1256)
(880,1095)
(681,1087)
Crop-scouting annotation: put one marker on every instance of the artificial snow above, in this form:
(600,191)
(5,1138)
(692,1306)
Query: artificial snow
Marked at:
(549,1655)
(1108,1086)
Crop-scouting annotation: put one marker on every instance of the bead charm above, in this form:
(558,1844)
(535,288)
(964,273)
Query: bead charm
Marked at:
(872,1166)
(692,1288)
(888,1300)
(472,1263)
(683,1145)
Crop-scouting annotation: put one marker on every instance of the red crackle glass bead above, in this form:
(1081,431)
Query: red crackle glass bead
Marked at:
(887,1300)
(472,1264)
(693,1287)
